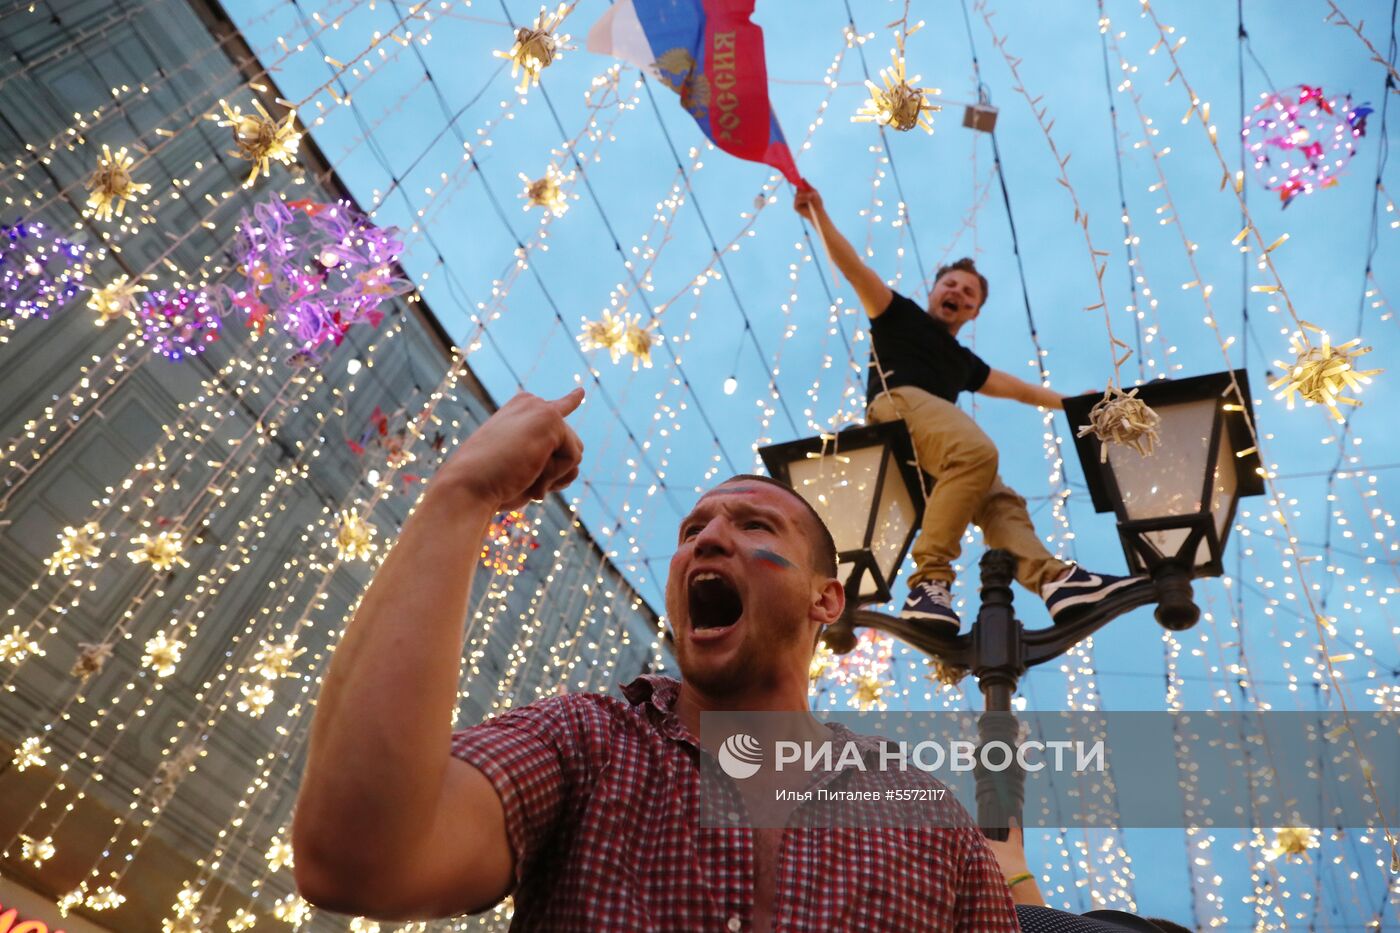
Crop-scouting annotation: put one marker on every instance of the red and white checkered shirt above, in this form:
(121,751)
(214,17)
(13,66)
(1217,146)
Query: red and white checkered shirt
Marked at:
(602,807)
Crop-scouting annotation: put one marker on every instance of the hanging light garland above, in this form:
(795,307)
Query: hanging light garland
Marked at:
(111,186)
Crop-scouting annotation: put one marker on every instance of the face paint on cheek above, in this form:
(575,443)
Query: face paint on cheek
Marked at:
(765,556)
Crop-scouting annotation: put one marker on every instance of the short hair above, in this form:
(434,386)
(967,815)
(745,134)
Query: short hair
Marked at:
(964,264)
(1166,926)
(823,545)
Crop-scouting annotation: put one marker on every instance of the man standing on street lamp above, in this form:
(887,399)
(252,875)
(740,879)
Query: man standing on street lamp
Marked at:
(917,370)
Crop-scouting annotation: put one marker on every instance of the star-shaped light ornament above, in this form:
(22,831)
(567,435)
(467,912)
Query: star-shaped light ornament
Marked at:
(546,192)
(279,854)
(104,898)
(76,547)
(163,653)
(189,916)
(111,186)
(354,537)
(73,898)
(260,139)
(91,659)
(243,919)
(604,334)
(899,103)
(868,693)
(1290,841)
(292,910)
(273,659)
(1124,419)
(536,47)
(637,341)
(257,697)
(162,552)
(115,300)
(1321,374)
(37,851)
(16,646)
(30,753)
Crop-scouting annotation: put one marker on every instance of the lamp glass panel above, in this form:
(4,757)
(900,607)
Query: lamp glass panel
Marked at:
(841,489)
(1168,481)
(893,520)
(1223,492)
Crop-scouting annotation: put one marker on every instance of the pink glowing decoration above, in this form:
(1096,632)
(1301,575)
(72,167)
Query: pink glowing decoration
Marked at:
(1301,140)
(179,323)
(312,271)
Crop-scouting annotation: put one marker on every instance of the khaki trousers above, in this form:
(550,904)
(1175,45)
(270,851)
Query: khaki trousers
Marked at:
(967,490)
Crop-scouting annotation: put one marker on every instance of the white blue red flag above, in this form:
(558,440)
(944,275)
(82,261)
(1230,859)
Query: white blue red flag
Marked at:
(711,54)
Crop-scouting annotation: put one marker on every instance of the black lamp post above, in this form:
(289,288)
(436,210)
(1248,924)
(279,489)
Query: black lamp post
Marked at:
(1176,505)
(1175,508)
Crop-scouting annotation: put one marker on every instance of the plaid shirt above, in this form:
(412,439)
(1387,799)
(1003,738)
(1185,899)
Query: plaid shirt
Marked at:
(602,807)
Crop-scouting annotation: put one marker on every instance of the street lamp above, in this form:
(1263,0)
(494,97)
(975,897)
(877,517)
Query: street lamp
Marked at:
(1175,506)
(864,484)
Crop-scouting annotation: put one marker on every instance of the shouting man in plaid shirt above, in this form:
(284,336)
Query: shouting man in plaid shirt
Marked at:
(587,808)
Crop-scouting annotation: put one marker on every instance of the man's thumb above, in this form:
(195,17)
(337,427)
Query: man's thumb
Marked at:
(566,405)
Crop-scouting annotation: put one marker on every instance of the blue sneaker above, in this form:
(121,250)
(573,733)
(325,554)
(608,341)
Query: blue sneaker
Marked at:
(931,604)
(1080,590)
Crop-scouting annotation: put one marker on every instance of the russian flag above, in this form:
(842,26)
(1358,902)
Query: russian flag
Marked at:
(711,54)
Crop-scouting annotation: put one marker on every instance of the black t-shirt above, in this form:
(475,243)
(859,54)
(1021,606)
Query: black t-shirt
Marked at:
(915,349)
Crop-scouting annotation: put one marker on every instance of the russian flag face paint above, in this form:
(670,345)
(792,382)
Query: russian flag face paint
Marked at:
(772,559)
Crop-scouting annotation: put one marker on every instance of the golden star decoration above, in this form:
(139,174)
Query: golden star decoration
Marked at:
(91,659)
(536,47)
(37,851)
(546,192)
(16,646)
(604,334)
(354,537)
(162,654)
(292,910)
(1321,374)
(949,675)
(1290,841)
(30,753)
(868,692)
(75,546)
(257,697)
(243,919)
(162,552)
(72,899)
(273,659)
(637,341)
(110,187)
(1122,418)
(116,300)
(899,104)
(105,898)
(279,854)
(260,139)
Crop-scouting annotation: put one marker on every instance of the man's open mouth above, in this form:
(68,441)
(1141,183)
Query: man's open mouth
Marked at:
(714,602)
(950,306)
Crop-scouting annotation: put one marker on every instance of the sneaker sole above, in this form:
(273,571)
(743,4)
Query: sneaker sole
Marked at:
(1097,595)
(916,616)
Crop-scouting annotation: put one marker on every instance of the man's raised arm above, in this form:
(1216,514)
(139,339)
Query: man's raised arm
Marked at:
(872,291)
(388,824)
